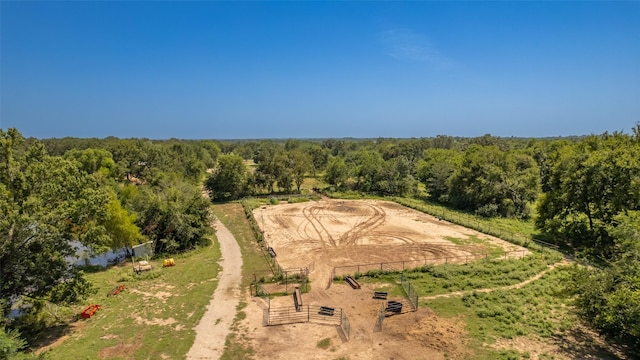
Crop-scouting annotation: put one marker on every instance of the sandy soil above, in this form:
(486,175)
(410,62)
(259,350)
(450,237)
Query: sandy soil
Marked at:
(330,233)
(214,326)
(335,233)
(413,335)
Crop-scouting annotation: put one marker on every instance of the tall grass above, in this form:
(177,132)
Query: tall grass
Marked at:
(441,279)
(537,309)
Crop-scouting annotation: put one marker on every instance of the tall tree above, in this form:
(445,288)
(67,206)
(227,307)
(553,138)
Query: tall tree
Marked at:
(336,172)
(271,160)
(300,165)
(228,178)
(609,298)
(174,215)
(436,170)
(368,167)
(494,182)
(45,203)
(588,185)
(120,225)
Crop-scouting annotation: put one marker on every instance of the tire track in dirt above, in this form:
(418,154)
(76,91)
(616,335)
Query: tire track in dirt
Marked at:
(311,215)
(368,225)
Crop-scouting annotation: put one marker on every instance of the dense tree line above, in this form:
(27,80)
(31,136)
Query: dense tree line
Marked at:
(103,194)
(582,192)
(486,175)
(591,202)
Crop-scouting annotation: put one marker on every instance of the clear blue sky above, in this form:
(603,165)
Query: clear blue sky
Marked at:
(224,70)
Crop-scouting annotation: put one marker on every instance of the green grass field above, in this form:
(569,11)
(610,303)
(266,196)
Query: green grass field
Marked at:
(152,318)
(539,310)
(442,279)
(155,315)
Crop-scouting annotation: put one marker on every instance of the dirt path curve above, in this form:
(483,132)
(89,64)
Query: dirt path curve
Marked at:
(508,287)
(214,326)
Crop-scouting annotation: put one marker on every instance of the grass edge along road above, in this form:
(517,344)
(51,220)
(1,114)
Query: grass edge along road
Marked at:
(233,217)
(156,315)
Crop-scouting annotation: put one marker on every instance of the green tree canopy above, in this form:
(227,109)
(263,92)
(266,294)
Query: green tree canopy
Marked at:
(495,182)
(45,203)
(228,179)
(336,172)
(609,298)
(588,184)
(174,215)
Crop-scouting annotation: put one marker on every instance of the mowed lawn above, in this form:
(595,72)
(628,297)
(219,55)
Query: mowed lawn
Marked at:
(153,318)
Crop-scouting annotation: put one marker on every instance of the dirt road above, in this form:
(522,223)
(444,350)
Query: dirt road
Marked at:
(214,326)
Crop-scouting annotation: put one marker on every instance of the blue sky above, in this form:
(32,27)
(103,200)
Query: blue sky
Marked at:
(223,70)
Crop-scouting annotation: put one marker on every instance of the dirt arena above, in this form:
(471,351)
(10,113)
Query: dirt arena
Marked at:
(334,233)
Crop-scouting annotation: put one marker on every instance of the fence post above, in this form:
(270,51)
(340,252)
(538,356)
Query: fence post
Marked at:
(308,313)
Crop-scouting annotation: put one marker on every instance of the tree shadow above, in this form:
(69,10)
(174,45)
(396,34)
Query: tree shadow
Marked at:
(49,336)
(582,343)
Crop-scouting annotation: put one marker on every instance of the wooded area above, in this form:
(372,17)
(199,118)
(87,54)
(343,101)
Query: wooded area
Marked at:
(583,194)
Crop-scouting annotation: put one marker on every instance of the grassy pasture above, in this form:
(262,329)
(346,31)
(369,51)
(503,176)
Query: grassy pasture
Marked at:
(442,279)
(153,318)
(538,310)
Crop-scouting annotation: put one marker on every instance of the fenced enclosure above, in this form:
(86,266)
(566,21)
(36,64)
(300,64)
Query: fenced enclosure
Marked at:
(307,314)
(478,223)
(394,307)
(282,283)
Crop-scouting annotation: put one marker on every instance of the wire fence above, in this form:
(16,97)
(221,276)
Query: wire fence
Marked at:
(410,292)
(403,265)
(284,282)
(478,223)
(345,325)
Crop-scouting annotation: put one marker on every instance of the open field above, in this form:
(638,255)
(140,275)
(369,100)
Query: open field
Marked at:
(341,233)
(517,311)
(153,318)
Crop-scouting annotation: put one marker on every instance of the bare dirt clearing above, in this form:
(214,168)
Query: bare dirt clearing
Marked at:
(334,233)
